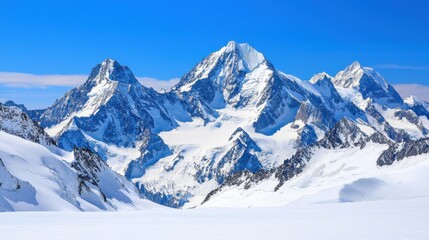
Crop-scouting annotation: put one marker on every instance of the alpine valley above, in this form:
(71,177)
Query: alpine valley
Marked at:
(234,132)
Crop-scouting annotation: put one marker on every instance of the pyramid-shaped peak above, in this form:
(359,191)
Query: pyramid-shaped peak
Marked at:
(241,136)
(231,45)
(225,69)
(250,57)
(354,65)
(109,61)
(234,46)
(111,69)
(349,77)
(239,132)
(112,65)
(320,77)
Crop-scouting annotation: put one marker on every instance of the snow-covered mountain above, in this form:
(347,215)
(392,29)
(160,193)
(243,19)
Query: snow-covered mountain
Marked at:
(278,112)
(239,77)
(384,107)
(233,123)
(368,84)
(111,113)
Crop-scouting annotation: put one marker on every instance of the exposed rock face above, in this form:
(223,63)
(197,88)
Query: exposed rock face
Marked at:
(344,134)
(88,166)
(293,166)
(411,117)
(245,178)
(383,125)
(96,178)
(16,122)
(307,136)
(152,149)
(241,156)
(399,151)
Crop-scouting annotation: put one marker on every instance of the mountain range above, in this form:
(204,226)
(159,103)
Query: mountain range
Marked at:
(234,131)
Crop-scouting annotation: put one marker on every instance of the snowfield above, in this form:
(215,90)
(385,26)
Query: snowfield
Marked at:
(387,219)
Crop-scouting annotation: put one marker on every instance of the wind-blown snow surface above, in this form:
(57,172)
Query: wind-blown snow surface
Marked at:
(389,219)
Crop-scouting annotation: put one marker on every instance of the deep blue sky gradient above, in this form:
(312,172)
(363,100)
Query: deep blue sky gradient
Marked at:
(165,39)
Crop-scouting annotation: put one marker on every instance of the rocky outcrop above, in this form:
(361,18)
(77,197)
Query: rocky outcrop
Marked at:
(399,151)
(16,122)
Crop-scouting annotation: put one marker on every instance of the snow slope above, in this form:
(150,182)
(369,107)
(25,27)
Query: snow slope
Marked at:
(48,182)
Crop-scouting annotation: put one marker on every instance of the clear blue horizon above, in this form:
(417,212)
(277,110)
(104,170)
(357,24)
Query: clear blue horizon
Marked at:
(165,39)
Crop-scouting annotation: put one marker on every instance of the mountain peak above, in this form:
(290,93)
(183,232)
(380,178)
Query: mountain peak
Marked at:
(354,66)
(349,77)
(11,103)
(225,71)
(231,45)
(249,56)
(111,64)
(110,69)
(319,77)
(369,83)
(239,133)
(412,100)
(352,76)
(242,137)
(109,61)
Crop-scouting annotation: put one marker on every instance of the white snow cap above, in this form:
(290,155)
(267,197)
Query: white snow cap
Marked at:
(352,75)
(110,69)
(251,58)
(412,100)
(320,76)
(354,66)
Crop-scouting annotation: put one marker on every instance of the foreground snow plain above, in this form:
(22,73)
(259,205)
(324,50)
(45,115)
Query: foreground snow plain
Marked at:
(390,219)
(392,205)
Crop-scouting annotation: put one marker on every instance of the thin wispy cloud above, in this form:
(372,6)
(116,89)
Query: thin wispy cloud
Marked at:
(26,80)
(417,90)
(13,79)
(396,66)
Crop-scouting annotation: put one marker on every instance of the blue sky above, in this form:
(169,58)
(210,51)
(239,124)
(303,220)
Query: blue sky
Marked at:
(165,39)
